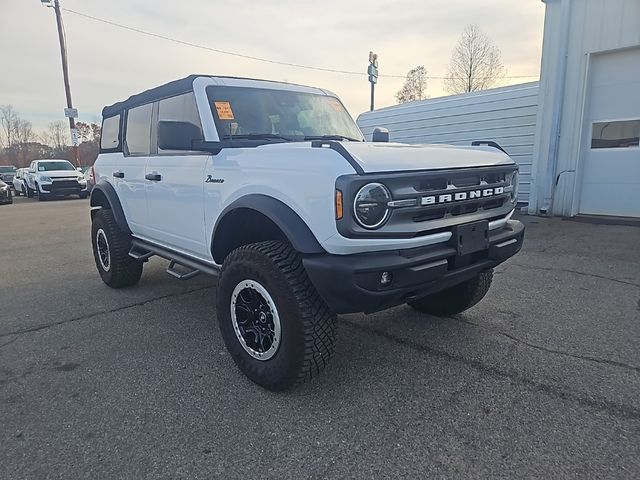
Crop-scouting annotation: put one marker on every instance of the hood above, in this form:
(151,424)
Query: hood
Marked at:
(396,157)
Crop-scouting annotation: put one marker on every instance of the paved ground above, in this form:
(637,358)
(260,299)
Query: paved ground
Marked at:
(542,379)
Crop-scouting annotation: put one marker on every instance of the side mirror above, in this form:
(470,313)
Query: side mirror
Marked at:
(380,134)
(177,135)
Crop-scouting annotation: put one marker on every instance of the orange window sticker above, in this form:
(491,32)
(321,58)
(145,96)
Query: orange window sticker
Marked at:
(224,110)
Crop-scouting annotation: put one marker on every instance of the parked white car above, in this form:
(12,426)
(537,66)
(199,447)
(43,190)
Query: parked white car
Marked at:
(49,178)
(20,181)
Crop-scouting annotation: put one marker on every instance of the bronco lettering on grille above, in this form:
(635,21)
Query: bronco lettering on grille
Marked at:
(461,196)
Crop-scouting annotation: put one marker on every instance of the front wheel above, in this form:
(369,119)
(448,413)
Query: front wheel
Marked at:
(41,196)
(29,192)
(455,299)
(273,322)
(111,252)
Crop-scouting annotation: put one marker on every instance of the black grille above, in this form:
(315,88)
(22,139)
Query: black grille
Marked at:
(452,182)
(65,183)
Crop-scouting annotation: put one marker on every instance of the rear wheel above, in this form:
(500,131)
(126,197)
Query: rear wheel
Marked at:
(455,299)
(274,324)
(111,252)
(17,192)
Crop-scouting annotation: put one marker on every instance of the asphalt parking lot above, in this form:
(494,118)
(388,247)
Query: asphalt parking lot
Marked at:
(541,379)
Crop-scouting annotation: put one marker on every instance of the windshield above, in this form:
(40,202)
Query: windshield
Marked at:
(7,169)
(54,165)
(256,113)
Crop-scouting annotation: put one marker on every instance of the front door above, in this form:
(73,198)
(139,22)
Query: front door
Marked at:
(611,151)
(175,186)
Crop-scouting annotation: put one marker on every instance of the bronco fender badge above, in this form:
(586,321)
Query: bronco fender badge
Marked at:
(210,179)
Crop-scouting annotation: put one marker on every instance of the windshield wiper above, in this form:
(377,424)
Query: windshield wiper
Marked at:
(330,137)
(257,136)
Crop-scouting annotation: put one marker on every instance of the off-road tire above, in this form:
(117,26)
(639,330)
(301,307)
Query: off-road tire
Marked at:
(455,299)
(308,327)
(123,270)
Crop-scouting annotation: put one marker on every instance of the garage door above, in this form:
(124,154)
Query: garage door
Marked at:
(611,154)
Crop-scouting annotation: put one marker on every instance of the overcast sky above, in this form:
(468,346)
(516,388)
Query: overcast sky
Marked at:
(107,64)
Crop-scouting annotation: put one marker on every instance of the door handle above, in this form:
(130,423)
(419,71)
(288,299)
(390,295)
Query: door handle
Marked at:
(153,176)
(118,174)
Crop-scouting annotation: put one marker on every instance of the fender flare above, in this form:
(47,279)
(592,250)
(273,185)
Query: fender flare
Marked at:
(287,220)
(104,188)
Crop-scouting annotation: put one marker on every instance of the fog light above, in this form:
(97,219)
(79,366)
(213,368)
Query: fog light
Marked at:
(386,278)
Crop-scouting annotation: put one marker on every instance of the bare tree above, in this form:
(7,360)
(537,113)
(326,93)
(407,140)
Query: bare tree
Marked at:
(24,132)
(8,120)
(414,85)
(476,63)
(56,136)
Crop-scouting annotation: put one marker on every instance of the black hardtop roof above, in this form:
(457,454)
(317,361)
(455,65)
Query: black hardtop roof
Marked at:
(176,87)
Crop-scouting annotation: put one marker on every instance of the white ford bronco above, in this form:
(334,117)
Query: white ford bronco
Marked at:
(271,187)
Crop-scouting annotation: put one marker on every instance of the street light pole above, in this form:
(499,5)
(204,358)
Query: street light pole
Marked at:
(65,74)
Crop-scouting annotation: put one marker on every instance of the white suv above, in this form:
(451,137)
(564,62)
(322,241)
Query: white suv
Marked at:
(53,177)
(271,187)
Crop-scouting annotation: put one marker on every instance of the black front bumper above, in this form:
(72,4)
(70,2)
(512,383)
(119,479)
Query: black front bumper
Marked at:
(62,188)
(351,283)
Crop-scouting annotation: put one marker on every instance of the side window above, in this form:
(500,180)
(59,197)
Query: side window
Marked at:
(110,136)
(138,133)
(181,108)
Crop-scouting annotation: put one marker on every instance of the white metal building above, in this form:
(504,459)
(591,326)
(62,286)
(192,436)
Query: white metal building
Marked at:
(587,152)
(504,115)
(581,154)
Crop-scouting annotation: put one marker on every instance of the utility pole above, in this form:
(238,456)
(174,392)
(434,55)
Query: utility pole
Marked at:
(373,75)
(69,112)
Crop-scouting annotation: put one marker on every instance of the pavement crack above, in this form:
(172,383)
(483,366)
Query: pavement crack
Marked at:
(611,408)
(515,339)
(576,272)
(10,341)
(95,314)
(587,358)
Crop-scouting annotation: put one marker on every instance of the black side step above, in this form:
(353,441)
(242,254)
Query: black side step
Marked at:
(141,250)
(171,270)
(140,255)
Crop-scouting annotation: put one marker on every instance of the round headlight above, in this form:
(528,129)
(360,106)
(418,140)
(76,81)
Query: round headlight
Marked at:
(370,205)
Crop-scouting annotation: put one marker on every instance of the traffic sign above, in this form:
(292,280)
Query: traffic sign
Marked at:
(74,137)
(71,112)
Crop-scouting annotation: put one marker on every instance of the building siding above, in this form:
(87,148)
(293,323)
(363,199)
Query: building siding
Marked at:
(593,26)
(505,115)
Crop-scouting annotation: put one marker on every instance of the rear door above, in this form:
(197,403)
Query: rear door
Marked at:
(175,184)
(128,175)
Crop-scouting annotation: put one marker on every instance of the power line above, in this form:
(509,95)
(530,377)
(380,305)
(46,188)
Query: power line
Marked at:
(249,57)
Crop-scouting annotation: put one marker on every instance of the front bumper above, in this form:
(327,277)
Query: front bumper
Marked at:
(351,283)
(6,197)
(65,187)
